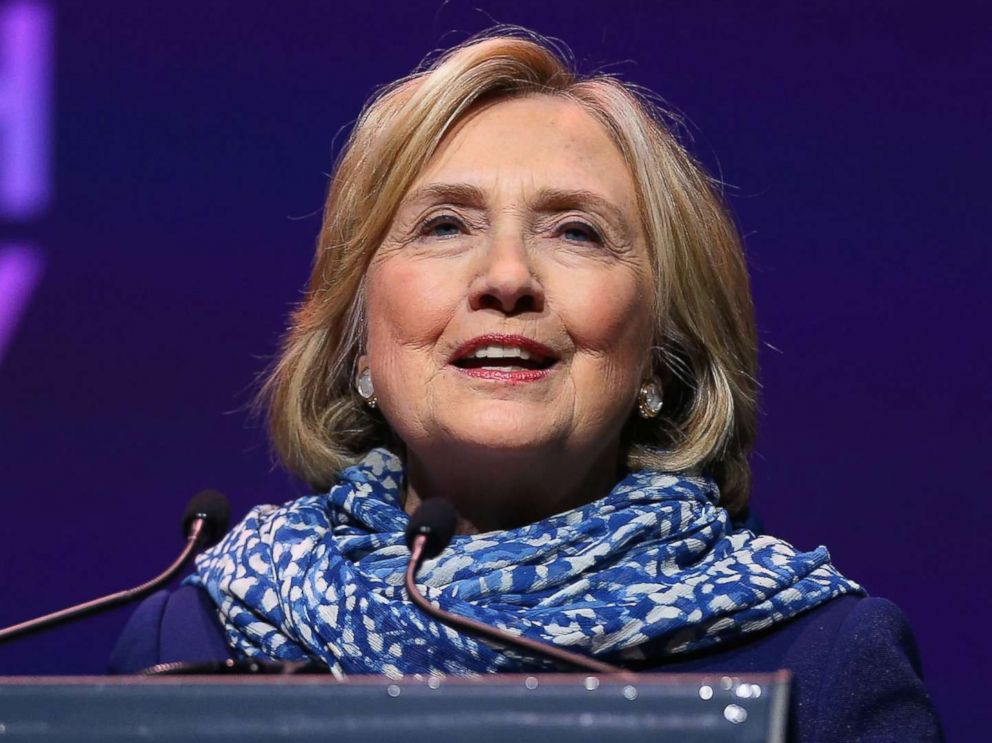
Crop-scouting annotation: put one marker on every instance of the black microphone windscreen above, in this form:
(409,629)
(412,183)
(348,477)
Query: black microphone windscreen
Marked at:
(213,508)
(435,518)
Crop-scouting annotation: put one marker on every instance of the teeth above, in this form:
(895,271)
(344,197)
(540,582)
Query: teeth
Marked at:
(499,352)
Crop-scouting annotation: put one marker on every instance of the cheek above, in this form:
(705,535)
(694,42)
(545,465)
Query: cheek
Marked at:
(610,318)
(611,324)
(408,308)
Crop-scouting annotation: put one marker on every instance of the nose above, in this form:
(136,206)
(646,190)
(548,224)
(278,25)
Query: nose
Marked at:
(506,280)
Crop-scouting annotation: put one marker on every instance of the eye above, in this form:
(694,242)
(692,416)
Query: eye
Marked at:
(580,232)
(442,226)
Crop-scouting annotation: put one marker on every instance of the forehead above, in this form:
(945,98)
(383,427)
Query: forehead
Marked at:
(538,141)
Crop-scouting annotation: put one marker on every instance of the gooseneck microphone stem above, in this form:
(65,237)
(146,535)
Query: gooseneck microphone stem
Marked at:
(204,522)
(105,602)
(505,639)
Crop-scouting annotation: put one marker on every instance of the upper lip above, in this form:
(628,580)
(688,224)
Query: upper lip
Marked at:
(537,350)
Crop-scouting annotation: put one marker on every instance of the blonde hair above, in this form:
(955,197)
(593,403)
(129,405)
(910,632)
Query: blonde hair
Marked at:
(704,346)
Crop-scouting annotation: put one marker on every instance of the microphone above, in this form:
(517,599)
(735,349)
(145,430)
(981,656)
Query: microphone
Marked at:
(435,520)
(204,523)
(430,530)
(208,513)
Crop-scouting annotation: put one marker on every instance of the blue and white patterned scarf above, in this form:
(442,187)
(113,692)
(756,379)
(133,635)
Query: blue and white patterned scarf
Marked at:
(653,568)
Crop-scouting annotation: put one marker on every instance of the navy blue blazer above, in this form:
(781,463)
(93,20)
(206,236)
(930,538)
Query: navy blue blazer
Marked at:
(855,665)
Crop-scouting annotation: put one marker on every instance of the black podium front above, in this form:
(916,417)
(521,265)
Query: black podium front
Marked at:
(517,708)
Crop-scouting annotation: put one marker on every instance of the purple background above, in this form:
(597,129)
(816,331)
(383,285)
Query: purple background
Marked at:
(190,153)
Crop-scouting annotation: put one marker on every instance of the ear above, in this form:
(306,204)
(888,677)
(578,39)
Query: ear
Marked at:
(648,370)
(361,363)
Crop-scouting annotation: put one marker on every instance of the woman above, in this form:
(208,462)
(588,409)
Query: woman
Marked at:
(529,301)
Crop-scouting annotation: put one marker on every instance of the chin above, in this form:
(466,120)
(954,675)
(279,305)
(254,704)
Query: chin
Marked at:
(516,438)
(501,430)
(506,443)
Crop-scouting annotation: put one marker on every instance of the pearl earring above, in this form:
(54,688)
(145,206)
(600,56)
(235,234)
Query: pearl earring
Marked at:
(363,384)
(649,400)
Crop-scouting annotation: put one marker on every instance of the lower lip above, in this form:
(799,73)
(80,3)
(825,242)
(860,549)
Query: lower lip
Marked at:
(507,375)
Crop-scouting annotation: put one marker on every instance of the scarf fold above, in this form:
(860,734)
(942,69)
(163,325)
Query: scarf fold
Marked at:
(652,568)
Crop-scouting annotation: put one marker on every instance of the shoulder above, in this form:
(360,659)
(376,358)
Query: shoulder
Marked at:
(871,686)
(170,627)
(856,672)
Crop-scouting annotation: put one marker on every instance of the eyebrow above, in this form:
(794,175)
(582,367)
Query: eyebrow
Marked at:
(546,200)
(460,194)
(557,199)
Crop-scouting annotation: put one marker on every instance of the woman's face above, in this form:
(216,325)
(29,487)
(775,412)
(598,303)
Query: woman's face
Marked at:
(510,306)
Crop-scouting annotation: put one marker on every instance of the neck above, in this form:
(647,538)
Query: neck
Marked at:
(498,490)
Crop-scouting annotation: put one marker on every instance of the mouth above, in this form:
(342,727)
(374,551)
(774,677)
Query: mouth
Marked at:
(506,357)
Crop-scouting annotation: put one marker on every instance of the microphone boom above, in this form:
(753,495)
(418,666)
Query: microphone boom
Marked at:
(204,522)
(429,532)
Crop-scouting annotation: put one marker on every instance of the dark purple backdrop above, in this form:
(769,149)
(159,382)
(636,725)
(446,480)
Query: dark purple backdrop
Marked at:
(189,154)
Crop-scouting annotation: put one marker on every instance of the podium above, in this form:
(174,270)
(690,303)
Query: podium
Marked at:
(519,708)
